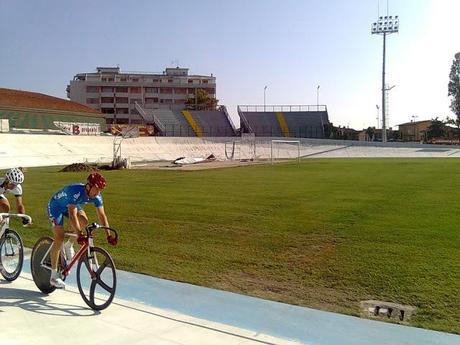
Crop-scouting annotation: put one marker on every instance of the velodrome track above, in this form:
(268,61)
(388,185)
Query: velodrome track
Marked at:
(31,150)
(154,311)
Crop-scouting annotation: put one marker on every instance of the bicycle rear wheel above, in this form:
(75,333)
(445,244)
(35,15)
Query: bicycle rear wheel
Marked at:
(96,278)
(41,273)
(11,255)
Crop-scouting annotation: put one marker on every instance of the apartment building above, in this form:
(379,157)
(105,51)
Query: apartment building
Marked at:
(115,93)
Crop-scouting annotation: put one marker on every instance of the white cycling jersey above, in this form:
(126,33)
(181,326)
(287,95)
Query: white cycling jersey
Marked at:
(17,191)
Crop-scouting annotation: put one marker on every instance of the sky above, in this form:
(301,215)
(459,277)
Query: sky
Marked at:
(290,46)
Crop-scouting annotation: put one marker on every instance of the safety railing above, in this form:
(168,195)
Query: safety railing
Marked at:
(244,120)
(276,108)
(144,115)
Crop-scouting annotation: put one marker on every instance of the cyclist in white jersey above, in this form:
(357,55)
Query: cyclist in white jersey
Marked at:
(11,183)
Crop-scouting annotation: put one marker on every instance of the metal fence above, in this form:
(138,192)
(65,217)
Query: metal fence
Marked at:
(295,132)
(187,131)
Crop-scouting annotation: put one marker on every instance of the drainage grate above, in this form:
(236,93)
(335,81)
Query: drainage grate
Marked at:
(387,311)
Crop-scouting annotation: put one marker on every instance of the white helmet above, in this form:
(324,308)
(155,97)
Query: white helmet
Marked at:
(15,175)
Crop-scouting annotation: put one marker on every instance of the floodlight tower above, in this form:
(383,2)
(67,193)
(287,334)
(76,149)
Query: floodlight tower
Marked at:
(383,26)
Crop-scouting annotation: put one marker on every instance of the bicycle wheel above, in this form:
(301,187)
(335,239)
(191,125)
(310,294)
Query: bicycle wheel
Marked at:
(41,273)
(96,278)
(11,255)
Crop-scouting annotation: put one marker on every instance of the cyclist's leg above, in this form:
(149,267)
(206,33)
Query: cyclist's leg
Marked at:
(58,238)
(4,204)
(82,219)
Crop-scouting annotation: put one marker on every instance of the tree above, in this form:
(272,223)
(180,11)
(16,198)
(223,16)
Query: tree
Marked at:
(201,101)
(370,131)
(437,129)
(454,90)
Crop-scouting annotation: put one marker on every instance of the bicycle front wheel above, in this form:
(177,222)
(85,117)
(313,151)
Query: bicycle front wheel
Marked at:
(40,265)
(11,255)
(96,278)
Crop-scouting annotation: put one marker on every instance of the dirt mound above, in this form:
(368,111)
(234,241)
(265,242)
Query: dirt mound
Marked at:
(79,167)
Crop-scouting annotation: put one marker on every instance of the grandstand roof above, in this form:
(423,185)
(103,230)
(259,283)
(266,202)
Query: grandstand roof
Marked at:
(26,99)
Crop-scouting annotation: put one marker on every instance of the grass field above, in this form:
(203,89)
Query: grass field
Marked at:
(325,234)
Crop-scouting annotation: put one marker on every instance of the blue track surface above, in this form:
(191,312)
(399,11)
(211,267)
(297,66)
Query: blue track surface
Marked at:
(308,326)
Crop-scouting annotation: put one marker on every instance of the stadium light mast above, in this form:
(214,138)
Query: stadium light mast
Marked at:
(378,118)
(383,26)
(317,98)
(265,89)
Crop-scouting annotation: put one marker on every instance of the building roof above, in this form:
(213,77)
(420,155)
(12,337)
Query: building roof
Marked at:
(26,99)
(414,123)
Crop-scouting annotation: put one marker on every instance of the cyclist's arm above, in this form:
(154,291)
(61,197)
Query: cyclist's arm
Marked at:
(19,205)
(73,216)
(102,216)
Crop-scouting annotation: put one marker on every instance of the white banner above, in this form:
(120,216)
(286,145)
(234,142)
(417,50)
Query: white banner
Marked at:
(76,128)
(4,125)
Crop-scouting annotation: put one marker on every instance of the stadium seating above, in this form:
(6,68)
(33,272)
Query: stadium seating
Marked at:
(306,124)
(263,124)
(300,124)
(213,123)
(190,123)
(174,123)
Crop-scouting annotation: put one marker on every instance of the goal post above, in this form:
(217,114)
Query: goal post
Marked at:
(284,149)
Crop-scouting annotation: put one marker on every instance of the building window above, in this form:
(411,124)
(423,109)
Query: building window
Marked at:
(92,89)
(205,81)
(151,100)
(166,101)
(190,81)
(122,111)
(151,90)
(134,100)
(106,99)
(121,89)
(122,99)
(180,90)
(123,79)
(107,89)
(107,110)
(154,80)
(134,80)
(165,90)
(170,81)
(92,101)
(179,101)
(135,89)
(191,91)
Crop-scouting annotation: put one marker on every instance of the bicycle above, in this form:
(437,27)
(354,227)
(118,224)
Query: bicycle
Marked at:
(11,246)
(95,269)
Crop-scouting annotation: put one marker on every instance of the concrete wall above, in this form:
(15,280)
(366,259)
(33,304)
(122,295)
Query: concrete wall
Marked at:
(31,150)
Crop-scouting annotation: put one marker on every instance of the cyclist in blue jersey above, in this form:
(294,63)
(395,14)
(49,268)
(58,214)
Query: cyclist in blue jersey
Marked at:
(68,202)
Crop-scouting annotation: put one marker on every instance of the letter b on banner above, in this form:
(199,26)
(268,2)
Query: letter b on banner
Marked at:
(76,130)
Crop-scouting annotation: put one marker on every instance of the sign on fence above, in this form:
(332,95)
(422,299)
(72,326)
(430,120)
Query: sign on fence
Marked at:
(76,128)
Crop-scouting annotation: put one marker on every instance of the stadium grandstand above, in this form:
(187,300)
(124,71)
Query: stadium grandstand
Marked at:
(189,123)
(299,121)
(23,111)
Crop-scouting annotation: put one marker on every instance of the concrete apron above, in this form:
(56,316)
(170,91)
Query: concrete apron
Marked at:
(149,310)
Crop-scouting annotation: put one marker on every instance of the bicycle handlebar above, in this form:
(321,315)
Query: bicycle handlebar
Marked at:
(93,226)
(17,215)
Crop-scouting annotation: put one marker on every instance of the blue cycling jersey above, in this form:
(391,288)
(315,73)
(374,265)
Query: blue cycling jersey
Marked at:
(73,194)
